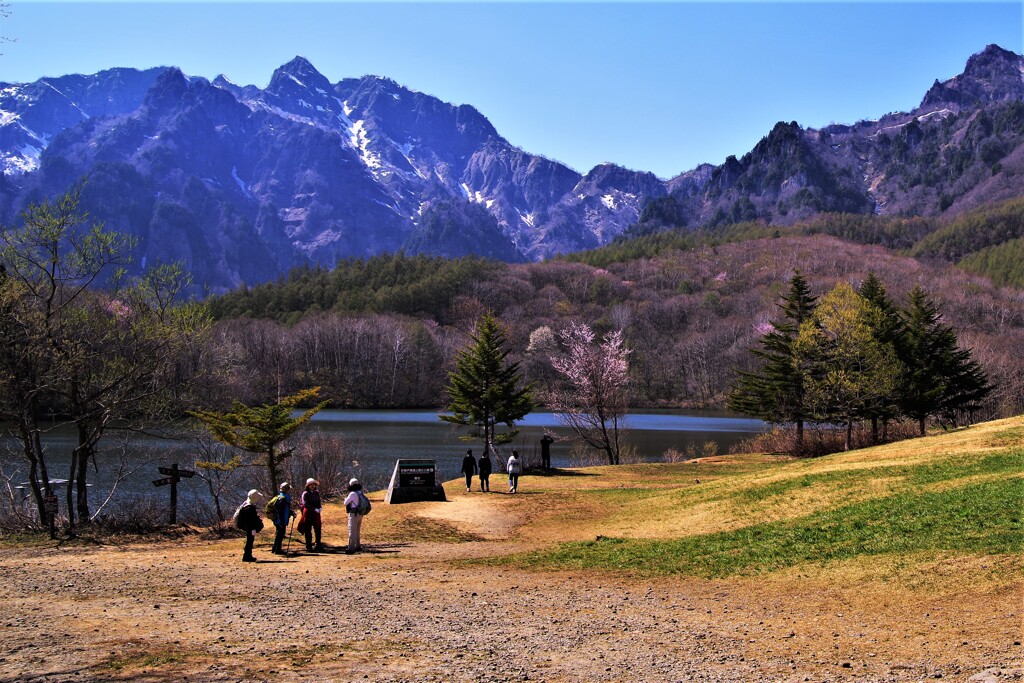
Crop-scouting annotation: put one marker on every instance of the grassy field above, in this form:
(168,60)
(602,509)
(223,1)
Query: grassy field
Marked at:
(952,495)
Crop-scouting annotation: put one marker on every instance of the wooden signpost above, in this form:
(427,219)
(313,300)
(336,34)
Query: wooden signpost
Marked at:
(176,475)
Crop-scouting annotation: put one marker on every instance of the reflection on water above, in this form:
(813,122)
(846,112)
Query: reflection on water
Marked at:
(378,438)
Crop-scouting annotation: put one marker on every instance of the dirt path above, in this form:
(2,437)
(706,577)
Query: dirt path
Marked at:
(405,611)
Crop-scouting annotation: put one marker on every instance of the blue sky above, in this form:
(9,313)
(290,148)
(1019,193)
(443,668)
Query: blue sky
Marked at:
(659,87)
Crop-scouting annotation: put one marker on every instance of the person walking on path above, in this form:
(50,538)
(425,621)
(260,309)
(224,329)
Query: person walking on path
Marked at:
(282,515)
(247,518)
(309,523)
(356,506)
(485,472)
(545,451)
(514,468)
(469,469)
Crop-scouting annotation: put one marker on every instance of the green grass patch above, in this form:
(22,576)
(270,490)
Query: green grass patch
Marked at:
(981,518)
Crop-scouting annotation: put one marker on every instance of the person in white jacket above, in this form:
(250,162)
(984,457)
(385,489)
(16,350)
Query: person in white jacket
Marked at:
(355,517)
(514,468)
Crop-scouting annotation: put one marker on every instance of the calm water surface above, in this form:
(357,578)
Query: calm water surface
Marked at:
(377,438)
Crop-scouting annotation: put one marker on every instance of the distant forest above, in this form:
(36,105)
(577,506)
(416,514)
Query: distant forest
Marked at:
(383,332)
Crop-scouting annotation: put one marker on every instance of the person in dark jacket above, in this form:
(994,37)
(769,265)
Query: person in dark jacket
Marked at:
(545,451)
(282,515)
(469,469)
(248,520)
(310,521)
(484,467)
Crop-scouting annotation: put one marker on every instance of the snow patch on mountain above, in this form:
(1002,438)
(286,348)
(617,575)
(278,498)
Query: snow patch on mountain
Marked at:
(242,185)
(361,142)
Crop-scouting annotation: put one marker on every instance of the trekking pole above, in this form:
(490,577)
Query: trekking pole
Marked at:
(287,552)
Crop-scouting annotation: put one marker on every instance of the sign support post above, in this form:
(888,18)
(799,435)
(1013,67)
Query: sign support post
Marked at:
(175,476)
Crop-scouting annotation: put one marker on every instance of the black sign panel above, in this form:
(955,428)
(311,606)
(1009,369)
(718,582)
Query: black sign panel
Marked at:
(416,473)
(172,471)
(163,482)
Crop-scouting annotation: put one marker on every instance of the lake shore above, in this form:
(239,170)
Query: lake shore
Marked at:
(426,602)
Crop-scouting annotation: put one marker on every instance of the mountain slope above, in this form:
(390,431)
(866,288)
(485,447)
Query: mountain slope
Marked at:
(243,183)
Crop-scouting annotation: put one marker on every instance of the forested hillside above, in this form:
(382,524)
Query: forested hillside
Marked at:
(383,332)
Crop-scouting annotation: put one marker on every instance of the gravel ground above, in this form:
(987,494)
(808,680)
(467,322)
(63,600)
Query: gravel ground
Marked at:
(404,611)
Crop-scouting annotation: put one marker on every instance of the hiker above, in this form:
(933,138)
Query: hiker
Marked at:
(357,506)
(485,472)
(469,469)
(514,468)
(545,451)
(309,522)
(282,514)
(247,518)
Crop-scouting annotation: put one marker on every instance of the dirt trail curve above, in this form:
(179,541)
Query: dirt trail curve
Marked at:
(409,609)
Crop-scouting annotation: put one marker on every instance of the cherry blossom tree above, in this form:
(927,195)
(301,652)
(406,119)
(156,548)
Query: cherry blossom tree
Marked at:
(595,401)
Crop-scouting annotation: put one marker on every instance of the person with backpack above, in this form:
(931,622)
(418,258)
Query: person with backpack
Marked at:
(484,467)
(247,518)
(358,506)
(514,468)
(279,509)
(469,469)
(309,522)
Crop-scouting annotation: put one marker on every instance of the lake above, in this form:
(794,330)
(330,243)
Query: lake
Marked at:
(377,438)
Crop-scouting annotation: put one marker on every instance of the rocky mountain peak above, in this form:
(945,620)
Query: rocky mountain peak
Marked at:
(168,90)
(992,75)
(298,75)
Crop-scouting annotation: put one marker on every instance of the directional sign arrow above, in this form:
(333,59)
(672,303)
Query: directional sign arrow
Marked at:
(167,470)
(163,482)
(186,473)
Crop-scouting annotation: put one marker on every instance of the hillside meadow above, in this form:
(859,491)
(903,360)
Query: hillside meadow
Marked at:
(895,563)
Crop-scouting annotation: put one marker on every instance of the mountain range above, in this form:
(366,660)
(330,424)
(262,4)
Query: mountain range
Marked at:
(242,183)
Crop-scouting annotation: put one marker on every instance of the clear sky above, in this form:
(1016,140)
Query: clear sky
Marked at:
(659,87)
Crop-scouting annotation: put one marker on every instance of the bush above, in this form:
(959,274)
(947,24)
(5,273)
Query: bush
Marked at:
(822,439)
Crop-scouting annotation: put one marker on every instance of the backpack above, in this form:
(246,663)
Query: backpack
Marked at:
(247,519)
(271,509)
(364,504)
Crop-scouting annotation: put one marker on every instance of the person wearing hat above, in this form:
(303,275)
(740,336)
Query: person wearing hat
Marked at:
(247,518)
(354,507)
(282,515)
(310,522)
(469,469)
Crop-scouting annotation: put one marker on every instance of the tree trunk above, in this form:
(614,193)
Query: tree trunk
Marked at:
(84,452)
(38,478)
(920,423)
(874,430)
(799,437)
(272,468)
(849,435)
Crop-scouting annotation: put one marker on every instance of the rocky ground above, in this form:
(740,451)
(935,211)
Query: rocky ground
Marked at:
(410,608)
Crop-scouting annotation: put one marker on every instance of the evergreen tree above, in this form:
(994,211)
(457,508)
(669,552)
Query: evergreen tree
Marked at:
(484,390)
(776,392)
(888,328)
(941,378)
(260,429)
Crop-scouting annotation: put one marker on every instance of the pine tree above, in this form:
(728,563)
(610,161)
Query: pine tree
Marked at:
(941,378)
(484,390)
(260,429)
(888,328)
(776,392)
